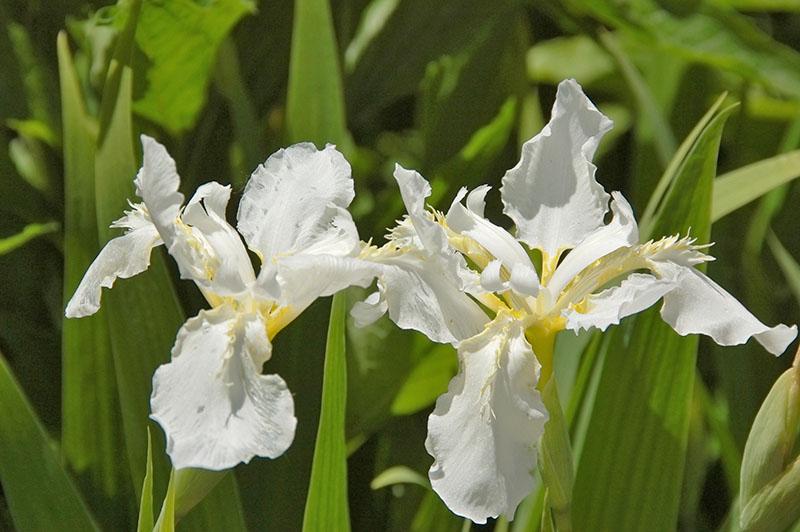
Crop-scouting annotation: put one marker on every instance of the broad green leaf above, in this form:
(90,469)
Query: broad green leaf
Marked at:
(314,101)
(145,521)
(629,475)
(708,34)
(91,435)
(28,233)
(741,186)
(327,506)
(39,493)
(179,40)
(575,56)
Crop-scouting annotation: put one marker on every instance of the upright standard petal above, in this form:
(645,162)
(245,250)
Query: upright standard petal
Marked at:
(484,431)
(622,231)
(469,221)
(698,305)
(212,401)
(297,201)
(551,194)
(121,258)
(230,270)
(157,184)
(415,189)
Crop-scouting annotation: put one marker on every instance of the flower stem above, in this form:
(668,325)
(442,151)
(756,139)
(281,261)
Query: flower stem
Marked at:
(555,451)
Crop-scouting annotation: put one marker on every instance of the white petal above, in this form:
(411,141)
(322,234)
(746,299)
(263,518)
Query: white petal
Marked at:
(699,305)
(551,194)
(157,184)
(297,200)
(122,257)
(214,405)
(620,232)
(524,280)
(229,266)
(636,293)
(423,294)
(490,277)
(367,312)
(415,189)
(304,278)
(484,431)
(496,240)
(476,200)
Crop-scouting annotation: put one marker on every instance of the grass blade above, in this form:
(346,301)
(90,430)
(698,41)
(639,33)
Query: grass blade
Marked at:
(326,505)
(743,185)
(145,522)
(315,102)
(39,493)
(28,233)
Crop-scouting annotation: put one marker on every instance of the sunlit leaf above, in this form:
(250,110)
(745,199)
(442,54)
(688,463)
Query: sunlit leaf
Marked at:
(28,233)
(326,506)
(637,435)
(179,40)
(743,185)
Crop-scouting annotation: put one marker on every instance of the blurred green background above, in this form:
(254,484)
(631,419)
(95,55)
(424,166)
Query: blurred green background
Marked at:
(451,88)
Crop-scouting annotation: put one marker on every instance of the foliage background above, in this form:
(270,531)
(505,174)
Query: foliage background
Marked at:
(450,88)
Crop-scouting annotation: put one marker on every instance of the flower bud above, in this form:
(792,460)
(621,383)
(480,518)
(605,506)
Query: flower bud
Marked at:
(770,476)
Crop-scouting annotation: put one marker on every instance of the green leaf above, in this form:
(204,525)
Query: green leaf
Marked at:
(179,40)
(28,233)
(91,435)
(417,32)
(399,475)
(656,203)
(39,493)
(574,56)
(166,520)
(770,478)
(427,381)
(787,263)
(145,521)
(314,101)
(741,186)
(708,34)
(629,475)
(326,505)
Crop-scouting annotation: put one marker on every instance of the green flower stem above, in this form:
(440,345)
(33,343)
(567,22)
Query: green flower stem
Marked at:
(555,451)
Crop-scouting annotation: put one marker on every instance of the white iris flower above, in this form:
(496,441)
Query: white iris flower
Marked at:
(462,279)
(214,404)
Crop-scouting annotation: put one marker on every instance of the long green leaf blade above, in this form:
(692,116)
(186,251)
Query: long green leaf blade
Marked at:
(326,505)
(91,435)
(314,103)
(39,493)
(630,472)
(743,185)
